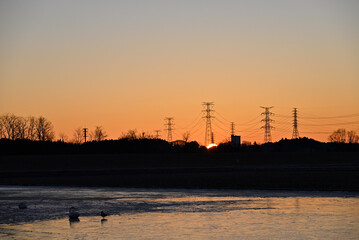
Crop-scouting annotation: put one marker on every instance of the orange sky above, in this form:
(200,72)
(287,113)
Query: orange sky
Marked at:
(126,65)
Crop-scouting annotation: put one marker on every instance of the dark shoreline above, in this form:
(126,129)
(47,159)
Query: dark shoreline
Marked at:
(267,171)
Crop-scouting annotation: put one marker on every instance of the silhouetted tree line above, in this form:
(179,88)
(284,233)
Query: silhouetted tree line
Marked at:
(30,128)
(124,145)
(98,134)
(343,136)
(35,135)
(291,145)
(146,145)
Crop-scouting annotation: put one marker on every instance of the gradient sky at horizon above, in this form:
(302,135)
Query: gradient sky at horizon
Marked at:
(129,64)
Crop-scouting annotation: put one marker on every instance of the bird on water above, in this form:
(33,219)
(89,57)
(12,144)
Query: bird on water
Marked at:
(103,214)
(23,205)
(73,214)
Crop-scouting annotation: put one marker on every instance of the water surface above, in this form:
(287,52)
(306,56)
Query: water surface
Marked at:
(177,214)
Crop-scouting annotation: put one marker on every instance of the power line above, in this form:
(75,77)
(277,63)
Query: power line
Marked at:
(331,117)
(282,116)
(198,128)
(332,124)
(286,124)
(252,127)
(222,117)
(199,124)
(195,121)
(215,124)
(224,124)
(317,132)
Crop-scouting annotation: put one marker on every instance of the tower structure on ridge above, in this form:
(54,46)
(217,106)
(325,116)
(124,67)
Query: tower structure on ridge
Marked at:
(208,116)
(85,133)
(157,133)
(232,128)
(295,133)
(169,128)
(267,127)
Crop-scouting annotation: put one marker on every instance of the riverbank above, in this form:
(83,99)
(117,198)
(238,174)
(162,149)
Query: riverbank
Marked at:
(290,171)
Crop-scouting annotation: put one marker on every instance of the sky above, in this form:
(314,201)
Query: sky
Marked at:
(130,64)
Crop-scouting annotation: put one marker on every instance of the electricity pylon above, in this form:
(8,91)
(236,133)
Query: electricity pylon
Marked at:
(169,129)
(208,111)
(295,124)
(232,128)
(157,133)
(267,127)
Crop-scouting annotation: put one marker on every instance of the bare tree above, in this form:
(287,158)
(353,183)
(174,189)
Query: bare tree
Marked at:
(338,136)
(44,129)
(15,127)
(144,135)
(99,134)
(78,138)
(20,128)
(352,137)
(131,134)
(1,129)
(9,126)
(31,128)
(342,136)
(186,136)
(63,137)
(4,132)
(246,143)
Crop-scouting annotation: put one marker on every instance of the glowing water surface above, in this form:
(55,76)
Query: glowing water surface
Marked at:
(177,214)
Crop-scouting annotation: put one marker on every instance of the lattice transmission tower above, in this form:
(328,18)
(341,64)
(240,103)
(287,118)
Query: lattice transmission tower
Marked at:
(295,124)
(208,116)
(232,129)
(267,127)
(169,128)
(157,136)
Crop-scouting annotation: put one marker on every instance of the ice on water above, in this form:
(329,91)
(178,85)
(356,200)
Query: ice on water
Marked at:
(177,214)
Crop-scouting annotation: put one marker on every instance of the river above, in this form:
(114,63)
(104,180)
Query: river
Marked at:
(177,214)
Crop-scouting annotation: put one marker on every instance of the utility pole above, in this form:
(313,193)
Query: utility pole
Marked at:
(267,127)
(85,133)
(295,124)
(232,128)
(208,111)
(157,133)
(169,129)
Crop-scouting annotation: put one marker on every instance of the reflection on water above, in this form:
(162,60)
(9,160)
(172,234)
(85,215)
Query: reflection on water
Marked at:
(73,222)
(178,214)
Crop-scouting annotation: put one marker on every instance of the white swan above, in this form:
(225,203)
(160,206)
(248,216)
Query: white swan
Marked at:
(73,214)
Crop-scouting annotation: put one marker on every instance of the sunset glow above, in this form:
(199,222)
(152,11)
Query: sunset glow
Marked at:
(129,64)
(211,145)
